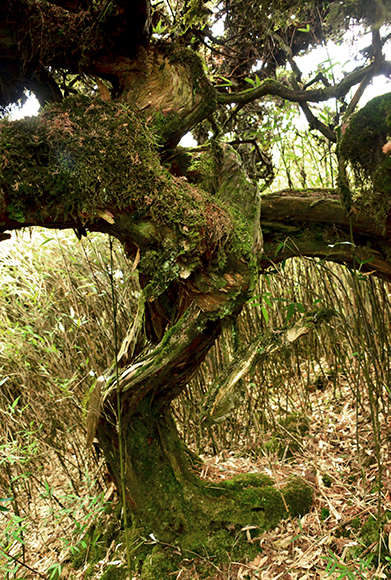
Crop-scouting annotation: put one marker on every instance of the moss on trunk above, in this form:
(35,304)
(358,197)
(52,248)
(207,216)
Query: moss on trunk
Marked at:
(169,503)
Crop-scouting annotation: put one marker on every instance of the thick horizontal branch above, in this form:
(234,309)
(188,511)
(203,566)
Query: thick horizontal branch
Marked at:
(365,260)
(319,206)
(316,226)
(273,87)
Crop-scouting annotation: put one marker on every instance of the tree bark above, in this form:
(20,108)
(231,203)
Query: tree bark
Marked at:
(314,223)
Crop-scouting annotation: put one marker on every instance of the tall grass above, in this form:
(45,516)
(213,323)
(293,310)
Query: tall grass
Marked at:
(56,337)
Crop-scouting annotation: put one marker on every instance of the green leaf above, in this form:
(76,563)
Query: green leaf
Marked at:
(290,311)
(227,82)
(248,80)
(47,487)
(159,28)
(15,403)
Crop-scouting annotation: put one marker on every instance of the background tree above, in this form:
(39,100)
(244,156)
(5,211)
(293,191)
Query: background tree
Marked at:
(104,155)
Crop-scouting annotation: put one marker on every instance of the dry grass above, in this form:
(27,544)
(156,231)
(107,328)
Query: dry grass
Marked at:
(56,337)
(319,410)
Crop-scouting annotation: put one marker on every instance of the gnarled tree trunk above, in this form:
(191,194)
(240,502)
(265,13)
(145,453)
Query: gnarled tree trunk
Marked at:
(190,220)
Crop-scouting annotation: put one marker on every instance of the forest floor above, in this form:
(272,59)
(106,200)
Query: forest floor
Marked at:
(337,539)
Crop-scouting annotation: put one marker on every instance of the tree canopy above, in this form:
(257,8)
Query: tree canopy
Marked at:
(165,60)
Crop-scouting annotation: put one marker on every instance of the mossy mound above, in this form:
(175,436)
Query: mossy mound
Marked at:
(224,522)
(361,146)
(298,497)
(242,508)
(82,155)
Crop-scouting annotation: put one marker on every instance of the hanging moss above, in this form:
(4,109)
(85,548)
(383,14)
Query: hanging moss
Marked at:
(361,146)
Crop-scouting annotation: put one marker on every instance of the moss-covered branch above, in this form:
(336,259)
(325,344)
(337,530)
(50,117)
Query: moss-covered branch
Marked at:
(318,206)
(95,165)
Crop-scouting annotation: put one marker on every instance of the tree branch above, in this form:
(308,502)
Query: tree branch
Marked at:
(320,206)
(317,225)
(222,398)
(296,75)
(273,87)
(376,47)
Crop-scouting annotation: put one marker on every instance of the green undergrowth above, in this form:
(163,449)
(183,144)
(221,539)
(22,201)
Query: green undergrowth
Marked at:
(370,538)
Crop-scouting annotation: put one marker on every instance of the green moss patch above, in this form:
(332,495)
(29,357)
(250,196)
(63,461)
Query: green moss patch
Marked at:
(223,523)
(159,564)
(361,146)
(83,155)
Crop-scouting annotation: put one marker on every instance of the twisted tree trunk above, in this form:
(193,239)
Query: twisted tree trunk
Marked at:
(190,220)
